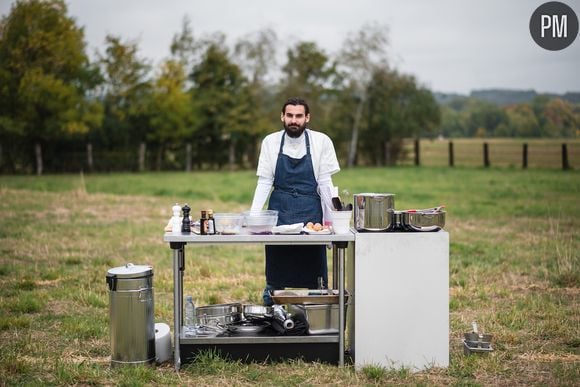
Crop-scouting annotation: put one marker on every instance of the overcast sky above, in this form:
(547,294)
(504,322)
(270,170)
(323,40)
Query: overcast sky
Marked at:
(449,45)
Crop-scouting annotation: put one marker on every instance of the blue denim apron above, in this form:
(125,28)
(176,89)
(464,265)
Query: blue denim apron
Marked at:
(296,199)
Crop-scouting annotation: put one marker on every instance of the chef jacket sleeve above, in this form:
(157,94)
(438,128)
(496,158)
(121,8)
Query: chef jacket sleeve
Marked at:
(267,159)
(261,194)
(328,161)
(325,185)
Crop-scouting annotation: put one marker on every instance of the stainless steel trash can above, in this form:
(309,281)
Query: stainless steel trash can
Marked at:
(131,314)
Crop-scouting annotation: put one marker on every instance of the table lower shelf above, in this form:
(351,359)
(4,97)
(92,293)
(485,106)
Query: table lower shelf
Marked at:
(258,348)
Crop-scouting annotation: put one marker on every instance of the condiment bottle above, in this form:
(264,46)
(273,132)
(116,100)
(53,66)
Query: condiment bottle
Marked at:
(176,219)
(210,222)
(186,222)
(203,223)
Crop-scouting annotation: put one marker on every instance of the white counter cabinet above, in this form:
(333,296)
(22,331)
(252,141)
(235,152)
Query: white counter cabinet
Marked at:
(401,300)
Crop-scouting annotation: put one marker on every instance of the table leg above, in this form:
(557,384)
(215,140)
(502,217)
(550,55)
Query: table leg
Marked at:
(177,297)
(334,270)
(341,323)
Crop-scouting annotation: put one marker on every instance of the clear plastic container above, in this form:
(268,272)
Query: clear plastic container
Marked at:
(228,223)
(260,222)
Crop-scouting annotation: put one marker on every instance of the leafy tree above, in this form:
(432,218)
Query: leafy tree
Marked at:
(397,108)
(126,94)
(45,75)
(170,108)
(561,121)
(363,52)
(221,99)
(522,122)
(484,119)
(308,73)
(255,53)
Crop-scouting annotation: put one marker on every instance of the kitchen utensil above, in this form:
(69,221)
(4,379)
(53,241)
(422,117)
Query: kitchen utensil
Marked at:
(422,221)
(322,319)
(218,314)
(252,312)
(281,317)
(373,211)
(228,223)
(260,222)
(245,326)
(337,203)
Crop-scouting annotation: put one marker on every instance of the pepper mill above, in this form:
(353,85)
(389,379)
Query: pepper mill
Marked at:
(186,223)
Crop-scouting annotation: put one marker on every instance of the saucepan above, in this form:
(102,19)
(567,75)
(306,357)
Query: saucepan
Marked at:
(219,314)
(373,211)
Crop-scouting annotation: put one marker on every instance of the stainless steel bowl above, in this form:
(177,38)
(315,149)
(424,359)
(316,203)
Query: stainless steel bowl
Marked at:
(423,220)
(219,314)
(248,326)
(252,312)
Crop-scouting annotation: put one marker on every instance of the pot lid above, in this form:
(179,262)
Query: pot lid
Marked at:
(130,271)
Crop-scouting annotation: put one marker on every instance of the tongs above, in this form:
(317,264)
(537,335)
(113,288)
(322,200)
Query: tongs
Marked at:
(429,210)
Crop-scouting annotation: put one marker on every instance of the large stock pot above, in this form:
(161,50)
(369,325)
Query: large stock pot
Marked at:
(373,211)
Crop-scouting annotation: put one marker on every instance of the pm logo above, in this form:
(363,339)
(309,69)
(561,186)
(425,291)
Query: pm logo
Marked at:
(554,26)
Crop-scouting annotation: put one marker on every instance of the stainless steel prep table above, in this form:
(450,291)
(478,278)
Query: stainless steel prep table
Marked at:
(177,243)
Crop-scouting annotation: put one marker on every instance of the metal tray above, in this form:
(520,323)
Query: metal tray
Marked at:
(306,296)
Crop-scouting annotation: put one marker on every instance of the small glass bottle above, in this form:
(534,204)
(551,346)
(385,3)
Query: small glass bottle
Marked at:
(203,223)
(190,323)
(210,222)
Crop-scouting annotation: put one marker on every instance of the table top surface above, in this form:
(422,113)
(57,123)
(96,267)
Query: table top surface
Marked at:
(260,238)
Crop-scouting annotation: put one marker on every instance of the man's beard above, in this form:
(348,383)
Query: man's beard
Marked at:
(294,131)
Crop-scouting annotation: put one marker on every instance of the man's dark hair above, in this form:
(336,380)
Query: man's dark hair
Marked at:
(296,101)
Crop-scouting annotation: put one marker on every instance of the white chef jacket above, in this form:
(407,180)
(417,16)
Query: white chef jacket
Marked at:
(324,161)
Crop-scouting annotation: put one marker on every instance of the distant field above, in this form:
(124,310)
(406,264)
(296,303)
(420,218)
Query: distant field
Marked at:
(542,153)
(514,267)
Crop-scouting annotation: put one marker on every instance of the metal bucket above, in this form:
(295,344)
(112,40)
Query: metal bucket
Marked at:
(374,211)
(131,314)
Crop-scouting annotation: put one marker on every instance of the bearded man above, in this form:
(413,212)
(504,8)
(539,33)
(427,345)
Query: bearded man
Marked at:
(295,161)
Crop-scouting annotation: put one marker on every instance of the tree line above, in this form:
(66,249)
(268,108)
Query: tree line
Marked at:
(543,117)
(207,105)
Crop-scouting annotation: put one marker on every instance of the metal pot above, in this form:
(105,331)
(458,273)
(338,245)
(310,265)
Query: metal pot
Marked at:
(373,211)
(219,314)
(257,312)
(423,220)
(248,327)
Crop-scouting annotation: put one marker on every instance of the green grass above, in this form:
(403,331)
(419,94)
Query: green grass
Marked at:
(514,267)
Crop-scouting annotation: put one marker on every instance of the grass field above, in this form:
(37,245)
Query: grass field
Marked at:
(514,267)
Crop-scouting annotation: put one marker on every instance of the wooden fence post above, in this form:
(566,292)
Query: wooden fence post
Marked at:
(485,154)
(525,157)
(565,163)
(451,156)
(188,157)
(141,161)
(90,156)
(417,158)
